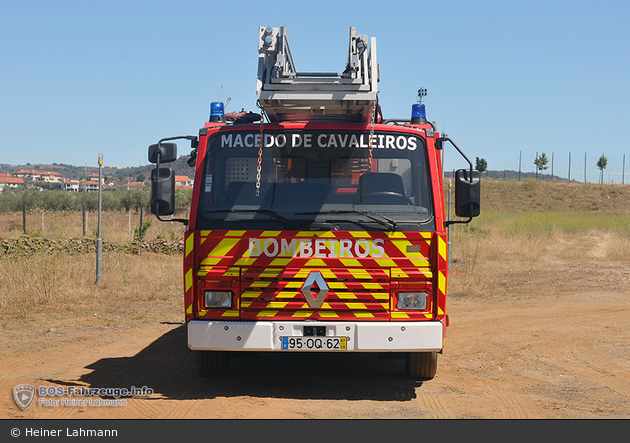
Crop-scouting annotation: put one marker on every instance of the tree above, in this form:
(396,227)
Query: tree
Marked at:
(135,198)
(601,164)
(481,164)
(541,162)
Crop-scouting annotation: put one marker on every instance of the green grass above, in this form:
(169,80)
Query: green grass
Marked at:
(535,224)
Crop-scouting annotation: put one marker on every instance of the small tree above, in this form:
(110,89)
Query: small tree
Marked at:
(601,164)
(481,164)
(541,162)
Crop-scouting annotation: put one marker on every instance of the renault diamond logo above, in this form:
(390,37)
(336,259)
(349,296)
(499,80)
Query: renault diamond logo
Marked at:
(315,299)
(24,395)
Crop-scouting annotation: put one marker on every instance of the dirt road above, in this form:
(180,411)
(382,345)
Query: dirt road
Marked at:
(530,356)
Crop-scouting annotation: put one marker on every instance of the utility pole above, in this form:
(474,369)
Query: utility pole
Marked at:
(99,241)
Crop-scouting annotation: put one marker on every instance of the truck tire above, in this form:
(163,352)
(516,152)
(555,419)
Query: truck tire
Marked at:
(422,365)
(212,363)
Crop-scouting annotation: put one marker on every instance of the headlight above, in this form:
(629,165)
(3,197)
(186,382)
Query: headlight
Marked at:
(412,300)
(217,299)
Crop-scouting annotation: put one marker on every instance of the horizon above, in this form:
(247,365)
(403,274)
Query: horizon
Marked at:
(446,173)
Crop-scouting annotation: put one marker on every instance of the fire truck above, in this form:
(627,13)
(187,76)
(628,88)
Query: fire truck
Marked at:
(316,224)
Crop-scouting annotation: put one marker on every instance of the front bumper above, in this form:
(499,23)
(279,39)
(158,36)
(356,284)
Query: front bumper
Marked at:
(362,336)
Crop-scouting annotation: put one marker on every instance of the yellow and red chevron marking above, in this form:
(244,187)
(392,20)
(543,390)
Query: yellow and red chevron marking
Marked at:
(352,294)
(357,267)
(441,259)
(441,277)
(322,249)
(189,266)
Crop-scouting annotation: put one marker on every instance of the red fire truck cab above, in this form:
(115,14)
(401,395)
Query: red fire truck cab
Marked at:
(316,225)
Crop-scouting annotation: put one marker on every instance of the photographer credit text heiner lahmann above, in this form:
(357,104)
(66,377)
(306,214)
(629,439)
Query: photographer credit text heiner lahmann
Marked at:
(80,432)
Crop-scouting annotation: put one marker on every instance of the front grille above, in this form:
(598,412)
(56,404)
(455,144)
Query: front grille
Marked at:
(358,294)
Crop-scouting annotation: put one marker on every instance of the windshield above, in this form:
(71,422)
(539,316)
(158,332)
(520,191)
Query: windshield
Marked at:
(316,180)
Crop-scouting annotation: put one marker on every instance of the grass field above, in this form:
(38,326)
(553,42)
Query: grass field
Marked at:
(62,284)
(521,223)
(539,227)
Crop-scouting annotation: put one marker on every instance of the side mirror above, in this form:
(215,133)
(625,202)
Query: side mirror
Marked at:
(439,143)
(167,152)
(162,191)
(467,193)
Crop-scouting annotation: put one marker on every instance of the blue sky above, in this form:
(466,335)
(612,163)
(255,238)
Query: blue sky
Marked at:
(505,79)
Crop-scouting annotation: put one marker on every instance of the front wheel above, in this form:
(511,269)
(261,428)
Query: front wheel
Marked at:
(212,363)
(422,365)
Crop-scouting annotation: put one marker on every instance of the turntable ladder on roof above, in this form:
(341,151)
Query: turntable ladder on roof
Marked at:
(286,94)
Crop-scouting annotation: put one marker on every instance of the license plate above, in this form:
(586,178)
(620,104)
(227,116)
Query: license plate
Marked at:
(314,343)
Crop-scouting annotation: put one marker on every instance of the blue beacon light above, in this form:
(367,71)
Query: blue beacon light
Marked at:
(418,114)
(217,113)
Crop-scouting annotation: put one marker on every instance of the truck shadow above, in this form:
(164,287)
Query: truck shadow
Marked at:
(169,368)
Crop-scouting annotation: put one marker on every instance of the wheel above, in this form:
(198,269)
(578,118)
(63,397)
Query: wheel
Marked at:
(212,363)
(422,365)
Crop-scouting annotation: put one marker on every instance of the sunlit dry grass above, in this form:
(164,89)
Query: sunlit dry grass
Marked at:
(61,284)
(504,252)
(57,284)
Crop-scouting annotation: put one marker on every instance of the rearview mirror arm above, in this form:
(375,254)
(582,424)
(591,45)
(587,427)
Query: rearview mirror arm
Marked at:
(455,222)
(441,140)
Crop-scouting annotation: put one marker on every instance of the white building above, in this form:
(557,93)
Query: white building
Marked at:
(70,185)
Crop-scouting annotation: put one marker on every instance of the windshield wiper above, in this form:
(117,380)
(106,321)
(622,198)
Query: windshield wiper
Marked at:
(272,214)
(374,216)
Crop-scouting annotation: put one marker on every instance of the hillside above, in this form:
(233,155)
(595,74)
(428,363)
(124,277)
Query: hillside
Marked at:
(515,175)
(544,196)
(115,174)
(510,195)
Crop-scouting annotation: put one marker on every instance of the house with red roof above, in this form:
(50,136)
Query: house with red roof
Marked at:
(50,177)
(9,181)
(70,185)
(133,185)
(90,186)
(182,181)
